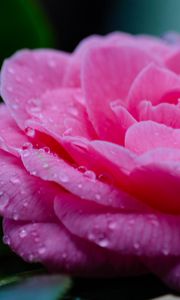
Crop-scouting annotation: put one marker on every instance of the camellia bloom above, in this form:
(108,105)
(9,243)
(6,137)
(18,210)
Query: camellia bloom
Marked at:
(90,157)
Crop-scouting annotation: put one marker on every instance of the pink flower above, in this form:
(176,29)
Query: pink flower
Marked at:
(90,157)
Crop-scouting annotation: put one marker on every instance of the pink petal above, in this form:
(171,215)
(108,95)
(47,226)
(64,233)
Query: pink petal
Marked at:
(55,247)
(108,160)
(107,74)
(84,185)
(23,196)
(153,84)
(65,116)
(147,135)
(140,234)
(11,137)
(123,117)
(165,113)
(173,62)
(155,179)
(27,75)
(154,45)
(73,72)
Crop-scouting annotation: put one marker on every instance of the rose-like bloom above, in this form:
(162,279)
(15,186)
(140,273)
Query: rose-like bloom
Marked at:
(90,157)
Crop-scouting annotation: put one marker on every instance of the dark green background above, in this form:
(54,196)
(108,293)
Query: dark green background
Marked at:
(63,23)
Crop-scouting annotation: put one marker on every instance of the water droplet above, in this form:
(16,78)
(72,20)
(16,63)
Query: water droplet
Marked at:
(79,185)
(112,225)
(64,255)
(82,169)
(41,250)
(14,180)
(91,236)
(25,203)
(46,149)
(33,173)
(30,132)
(31,257)
(131,222)
(105,178)
(64,178)
(90,174)
(103,242)
(97,196)
(26,153)
(136,246)
(165,251)
(45,165)
(22,233)
(15,217)
(36,239)
(27,145)
(6,240)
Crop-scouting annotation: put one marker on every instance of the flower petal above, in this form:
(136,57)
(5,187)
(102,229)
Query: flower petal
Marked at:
(27,75)
(140,234)
(23,196)
(106,77)
(55,247)
(147,135)
(11,137)
(84,185)
(65,116)
(153,84)
(155,179)
(104,158)
(172,61)
(164,113)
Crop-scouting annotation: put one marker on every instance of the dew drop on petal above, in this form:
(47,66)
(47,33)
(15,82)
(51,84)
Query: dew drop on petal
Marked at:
(26,153)
(14,180)
(31,257)
(15,217)
(6,240)
(45,165)
(136,246)
(82,169)
(103,242)
(30,132)
(41,250)
(97,196)
(64,178)
(22,233)
(90,174)
(27,145)
(112,225)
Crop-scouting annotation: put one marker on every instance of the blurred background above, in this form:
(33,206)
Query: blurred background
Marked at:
(63,23)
